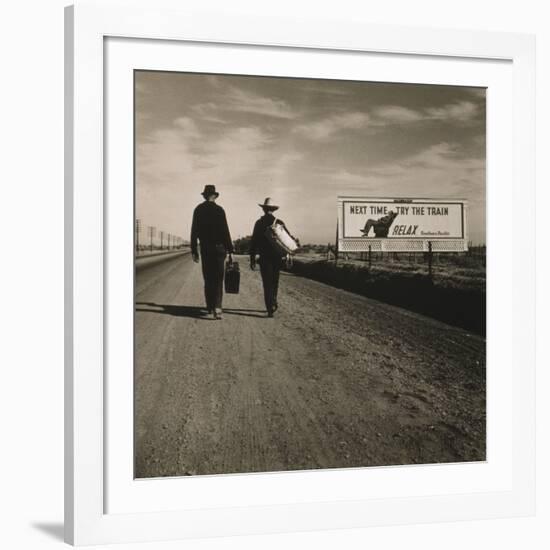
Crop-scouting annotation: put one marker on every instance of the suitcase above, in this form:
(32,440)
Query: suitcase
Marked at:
(232,277)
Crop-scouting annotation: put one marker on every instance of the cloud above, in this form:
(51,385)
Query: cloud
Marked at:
(444,156)
(395,114)
(325,128)
(235,99)
(439,170)
(281,164)
(208,112)
(326,89)
(248,102)
(187,126)
(460,112)
(478,93)
(183,153)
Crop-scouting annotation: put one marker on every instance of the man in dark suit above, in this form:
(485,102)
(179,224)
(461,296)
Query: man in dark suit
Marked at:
(270,259)
(210,228)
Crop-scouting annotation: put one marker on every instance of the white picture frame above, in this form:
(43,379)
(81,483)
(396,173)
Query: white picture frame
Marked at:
(90,476)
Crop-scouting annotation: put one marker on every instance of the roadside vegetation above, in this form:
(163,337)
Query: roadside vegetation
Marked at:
(455,294)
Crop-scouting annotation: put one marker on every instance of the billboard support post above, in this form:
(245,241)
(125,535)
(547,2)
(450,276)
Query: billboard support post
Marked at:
(370,254)
(336,247)
(430,257)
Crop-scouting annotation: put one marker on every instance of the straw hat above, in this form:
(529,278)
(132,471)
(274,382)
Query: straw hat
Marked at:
(268,205)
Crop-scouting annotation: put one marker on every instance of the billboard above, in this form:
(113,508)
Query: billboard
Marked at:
(401,224)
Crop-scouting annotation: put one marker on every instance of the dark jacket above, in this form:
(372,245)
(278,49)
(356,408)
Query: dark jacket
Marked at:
(260,243)
(210,227)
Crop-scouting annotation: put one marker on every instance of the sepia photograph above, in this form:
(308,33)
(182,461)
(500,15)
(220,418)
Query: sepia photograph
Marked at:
(310,274)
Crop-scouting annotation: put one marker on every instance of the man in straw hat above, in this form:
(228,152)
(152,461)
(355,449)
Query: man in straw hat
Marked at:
(210,228)
(270,258)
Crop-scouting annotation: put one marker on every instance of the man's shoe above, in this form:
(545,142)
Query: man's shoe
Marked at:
(275,307)
(218,314)
(270,313)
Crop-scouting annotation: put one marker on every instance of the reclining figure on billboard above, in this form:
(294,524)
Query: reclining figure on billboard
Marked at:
(381,227)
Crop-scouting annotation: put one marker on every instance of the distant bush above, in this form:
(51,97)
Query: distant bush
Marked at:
(242,245)
(312,249)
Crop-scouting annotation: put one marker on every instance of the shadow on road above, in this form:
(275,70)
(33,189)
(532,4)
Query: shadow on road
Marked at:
(193,311)
(245,312)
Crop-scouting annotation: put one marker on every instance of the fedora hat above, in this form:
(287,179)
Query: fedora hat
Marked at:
(268,205)
(209,190)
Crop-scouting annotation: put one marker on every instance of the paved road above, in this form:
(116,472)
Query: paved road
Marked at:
(334,380)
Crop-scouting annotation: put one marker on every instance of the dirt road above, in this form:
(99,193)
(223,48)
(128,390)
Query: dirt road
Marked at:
(334,380)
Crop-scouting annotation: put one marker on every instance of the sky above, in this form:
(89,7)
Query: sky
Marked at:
(302,142)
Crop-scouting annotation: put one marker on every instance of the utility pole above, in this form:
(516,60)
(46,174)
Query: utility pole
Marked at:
(152,232)
(169,241)
(161,240)
(138,231)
